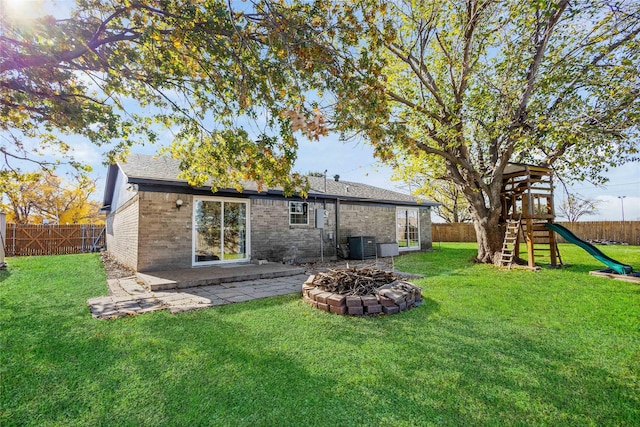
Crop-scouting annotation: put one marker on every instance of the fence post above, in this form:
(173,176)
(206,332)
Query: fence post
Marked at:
(3,237)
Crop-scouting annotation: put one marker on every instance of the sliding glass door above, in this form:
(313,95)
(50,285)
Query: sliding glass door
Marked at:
(220,231)
(407,228)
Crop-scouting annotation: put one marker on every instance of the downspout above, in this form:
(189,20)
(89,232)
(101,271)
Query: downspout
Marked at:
(337,242)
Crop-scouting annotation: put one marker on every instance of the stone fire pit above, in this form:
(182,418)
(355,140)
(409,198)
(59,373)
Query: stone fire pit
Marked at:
(360,292)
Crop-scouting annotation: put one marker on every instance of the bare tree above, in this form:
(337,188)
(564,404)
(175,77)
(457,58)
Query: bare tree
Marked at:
(573,208)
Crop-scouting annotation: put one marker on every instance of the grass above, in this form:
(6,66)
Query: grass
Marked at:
(487,347)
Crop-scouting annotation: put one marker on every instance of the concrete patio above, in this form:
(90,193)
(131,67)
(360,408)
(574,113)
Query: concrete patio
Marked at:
(204,276)
(127,297)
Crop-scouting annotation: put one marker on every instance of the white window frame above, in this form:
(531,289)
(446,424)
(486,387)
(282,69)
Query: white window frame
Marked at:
(408,248)
(291,212)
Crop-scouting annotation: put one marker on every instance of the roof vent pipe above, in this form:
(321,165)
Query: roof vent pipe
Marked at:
(336,177)
(325,180)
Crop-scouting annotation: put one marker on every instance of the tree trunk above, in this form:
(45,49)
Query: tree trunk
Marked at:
(486,210)
(485,207)
(489,236)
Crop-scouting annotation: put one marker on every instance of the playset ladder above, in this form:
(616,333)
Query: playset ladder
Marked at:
(510,244)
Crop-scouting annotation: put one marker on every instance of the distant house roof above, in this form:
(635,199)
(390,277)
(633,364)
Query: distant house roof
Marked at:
(162,172)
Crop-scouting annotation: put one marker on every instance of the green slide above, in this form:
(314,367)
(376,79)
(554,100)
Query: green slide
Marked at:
(616,266)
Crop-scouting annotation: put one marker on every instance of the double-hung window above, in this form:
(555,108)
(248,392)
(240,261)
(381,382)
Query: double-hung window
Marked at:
(298,213)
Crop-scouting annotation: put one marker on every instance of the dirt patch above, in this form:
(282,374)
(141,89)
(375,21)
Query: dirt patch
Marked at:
(380,263)
(114,269)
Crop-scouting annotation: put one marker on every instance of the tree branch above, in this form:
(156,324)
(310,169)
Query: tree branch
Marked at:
(534,66)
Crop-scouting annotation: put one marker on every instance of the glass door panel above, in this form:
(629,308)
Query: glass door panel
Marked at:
(408,229)
(208,217)
(412,229)
(235,235)
(401,227)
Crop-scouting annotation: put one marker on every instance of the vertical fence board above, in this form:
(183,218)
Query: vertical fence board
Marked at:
(618,231)
(31,240)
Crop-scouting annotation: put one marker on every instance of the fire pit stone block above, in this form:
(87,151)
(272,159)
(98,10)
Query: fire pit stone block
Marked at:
(338,309)
(354,301)
(395,296)
(336,300)
(355,310)
(314,292)
(386,301)
(322,298)
(323,306)
(391,309)
(369,300)
(373,309)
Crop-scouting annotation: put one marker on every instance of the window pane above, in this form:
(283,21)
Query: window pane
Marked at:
(207,223)
(401,225)
(235,234)
(298,213)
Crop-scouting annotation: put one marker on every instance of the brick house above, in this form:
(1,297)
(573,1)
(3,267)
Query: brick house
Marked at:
(158,222)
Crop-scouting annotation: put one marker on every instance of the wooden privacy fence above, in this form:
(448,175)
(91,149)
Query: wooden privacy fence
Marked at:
(455,232)
(21,239)
(618,231)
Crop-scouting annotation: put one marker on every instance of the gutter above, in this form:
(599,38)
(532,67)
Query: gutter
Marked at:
(152,185)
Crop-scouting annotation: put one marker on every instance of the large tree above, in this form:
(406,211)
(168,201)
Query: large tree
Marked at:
(37,197)
(120,72)
(467,86)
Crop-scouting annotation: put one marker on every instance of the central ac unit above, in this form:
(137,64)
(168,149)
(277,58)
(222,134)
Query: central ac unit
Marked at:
(362,247)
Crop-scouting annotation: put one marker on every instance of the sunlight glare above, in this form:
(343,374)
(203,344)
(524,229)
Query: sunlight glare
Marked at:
(20,10)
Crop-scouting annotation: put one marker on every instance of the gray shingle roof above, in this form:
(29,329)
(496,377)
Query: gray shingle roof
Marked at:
(162,168)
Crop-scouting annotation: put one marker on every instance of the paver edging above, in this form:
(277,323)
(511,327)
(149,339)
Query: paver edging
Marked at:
(393,298)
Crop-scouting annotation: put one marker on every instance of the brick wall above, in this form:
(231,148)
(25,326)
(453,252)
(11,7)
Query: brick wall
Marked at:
(122,233)
(165,237)
(379,221)
(272,237)
(165,231)
(363,220)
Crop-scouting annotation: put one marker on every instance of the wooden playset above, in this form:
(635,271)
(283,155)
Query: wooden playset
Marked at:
(527,208)
(528,213)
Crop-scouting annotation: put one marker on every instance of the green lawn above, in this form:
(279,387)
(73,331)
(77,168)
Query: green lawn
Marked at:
(487,347)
